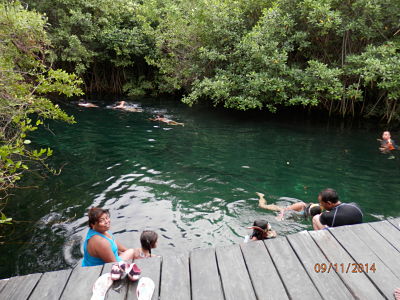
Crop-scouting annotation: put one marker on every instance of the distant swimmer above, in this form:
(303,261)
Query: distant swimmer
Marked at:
(161,118)
(122,105)
(302,209)
(387,144)
(86,104)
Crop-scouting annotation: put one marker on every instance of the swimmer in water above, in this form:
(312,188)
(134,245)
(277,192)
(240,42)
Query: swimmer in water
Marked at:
(261,231)
(148,241)
(387,144)
(306,210)
(86,104)
(122,105)
(161,118)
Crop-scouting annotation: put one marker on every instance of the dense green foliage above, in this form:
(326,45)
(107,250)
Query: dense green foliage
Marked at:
(99,40)
(24,78)
(338,56)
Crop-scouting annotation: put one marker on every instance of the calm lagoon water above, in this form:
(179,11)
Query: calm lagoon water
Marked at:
(195,185)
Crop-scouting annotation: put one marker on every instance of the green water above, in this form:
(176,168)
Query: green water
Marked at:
(195,185)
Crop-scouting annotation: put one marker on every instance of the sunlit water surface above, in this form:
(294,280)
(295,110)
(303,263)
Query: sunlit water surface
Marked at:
(195,185)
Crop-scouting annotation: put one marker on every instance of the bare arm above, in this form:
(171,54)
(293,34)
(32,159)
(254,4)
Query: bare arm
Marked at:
(317,225)
(101,248)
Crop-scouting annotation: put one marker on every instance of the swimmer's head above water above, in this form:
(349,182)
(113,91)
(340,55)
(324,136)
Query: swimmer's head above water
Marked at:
(312,209)
(261,230)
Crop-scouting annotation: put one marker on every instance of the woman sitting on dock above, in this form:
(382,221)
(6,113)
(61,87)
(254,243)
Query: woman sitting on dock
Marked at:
(100,247)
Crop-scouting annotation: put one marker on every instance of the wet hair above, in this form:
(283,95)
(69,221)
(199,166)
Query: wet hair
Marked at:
(263,233)
(160,116)
(95,214)
(315,210)
(312,209)
(148,240)
(329,195)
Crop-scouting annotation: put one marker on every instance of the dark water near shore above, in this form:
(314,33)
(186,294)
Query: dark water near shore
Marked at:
(195,185)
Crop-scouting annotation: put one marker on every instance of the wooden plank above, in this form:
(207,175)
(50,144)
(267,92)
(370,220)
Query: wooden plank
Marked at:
(119,289)
(380,246)
(358,283)
(264,276)
(51,285)
(296,280)
(204,273)
(395,222)
(329,285)
(383,277)
(151,267)
(387,230)
(175,278)
(235,279)
(3,283)
(81,282)
(20,287)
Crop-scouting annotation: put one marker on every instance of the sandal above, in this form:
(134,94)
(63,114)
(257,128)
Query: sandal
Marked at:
(134,272)
(145,289)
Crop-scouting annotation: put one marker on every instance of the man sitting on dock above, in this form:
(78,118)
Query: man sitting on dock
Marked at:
(337,213)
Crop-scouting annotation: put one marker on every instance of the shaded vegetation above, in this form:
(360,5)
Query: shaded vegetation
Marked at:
(331,55)
(24,78)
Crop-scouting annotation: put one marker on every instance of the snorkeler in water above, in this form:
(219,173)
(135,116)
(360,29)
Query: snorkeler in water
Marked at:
(161,118)
(306,210)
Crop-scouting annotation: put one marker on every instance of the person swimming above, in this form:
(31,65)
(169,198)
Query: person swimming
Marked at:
(123,106)
(82,103)
(148,241)
(305,210)
(261,231)
(162,118)
(387,144)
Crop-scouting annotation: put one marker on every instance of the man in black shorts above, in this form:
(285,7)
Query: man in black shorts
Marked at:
(337,213)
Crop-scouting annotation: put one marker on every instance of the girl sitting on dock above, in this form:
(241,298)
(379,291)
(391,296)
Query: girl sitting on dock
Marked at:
(148,241)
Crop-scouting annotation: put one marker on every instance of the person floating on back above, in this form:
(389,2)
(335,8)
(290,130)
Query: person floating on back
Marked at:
(261,231)
(303,209)
(148,241)
(161,118)
(387,144)
(337,213)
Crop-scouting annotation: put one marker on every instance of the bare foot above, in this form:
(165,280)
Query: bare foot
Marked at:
(397,294)
(259,194)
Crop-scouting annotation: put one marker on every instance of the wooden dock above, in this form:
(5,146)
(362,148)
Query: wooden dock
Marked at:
(299,266)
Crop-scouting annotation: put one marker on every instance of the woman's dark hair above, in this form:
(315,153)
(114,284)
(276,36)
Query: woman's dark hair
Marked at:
(148,240)
(260,234)
(329,195)
(314,210)
(95,214)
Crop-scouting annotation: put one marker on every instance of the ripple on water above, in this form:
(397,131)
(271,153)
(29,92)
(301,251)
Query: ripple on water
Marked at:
(194,185)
